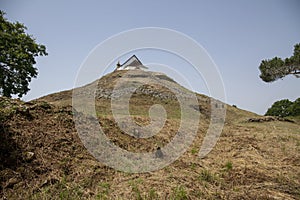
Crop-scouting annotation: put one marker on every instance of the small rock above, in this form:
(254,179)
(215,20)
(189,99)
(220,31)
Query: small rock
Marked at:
(159,153)
(136,133)
(123,125)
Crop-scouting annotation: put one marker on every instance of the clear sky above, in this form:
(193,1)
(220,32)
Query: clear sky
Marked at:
(236,34)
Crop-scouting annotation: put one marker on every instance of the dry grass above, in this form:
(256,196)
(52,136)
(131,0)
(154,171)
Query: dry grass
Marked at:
(250,160)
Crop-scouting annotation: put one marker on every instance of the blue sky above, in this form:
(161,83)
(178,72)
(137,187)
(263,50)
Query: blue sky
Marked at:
(236,34)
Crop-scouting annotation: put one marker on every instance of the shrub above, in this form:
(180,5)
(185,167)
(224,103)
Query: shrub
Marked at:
(280,108)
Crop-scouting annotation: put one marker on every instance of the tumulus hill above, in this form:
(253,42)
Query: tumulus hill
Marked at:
(42,156)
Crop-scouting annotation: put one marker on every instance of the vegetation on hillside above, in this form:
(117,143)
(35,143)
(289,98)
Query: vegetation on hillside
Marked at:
(17,57)
(284,108)
(43,158)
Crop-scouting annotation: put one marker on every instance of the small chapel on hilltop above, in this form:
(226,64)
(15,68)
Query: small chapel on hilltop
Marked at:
(133,63)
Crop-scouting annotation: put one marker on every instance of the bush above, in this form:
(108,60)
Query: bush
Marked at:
(295,108)
(284,108)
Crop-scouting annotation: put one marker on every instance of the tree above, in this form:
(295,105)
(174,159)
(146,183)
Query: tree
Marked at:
(280,108)
(295,108)
(17,57)
(276,68)
(284,108)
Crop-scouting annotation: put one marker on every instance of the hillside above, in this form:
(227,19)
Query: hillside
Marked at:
(42,156)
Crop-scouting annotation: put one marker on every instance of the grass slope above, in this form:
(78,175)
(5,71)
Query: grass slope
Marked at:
(42,156)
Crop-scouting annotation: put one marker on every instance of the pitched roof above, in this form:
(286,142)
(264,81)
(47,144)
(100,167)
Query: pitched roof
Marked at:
(133,61)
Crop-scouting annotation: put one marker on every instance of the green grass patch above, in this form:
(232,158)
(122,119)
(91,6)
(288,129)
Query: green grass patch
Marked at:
(228,166)
(206,176)
(179,193)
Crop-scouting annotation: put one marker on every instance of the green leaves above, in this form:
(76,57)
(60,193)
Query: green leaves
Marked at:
(272,69)
(284,108)
(17,57)
(295,108)
(275,68)
(280,108)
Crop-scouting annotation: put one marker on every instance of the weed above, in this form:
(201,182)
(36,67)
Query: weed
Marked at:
(137,192)
(64,194)
(179,193)
(135,188)
(104,185)
(194,151)
(45,105)
(228,166)
(104,190)
(193,166)
(152,194)
(207,176)
(236,189)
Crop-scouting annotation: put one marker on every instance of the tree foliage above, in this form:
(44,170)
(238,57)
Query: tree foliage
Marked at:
(17,57)
(276,68)
(284,108)
(295,108)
